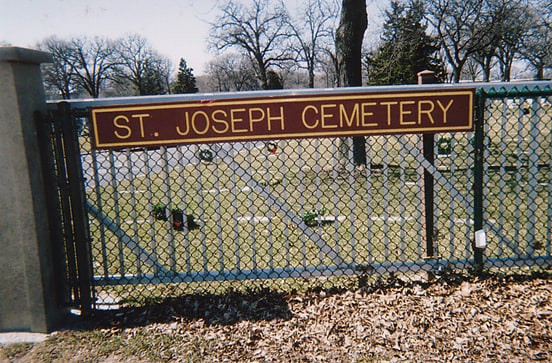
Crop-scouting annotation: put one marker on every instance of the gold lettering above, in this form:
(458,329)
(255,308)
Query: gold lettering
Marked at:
(123,127)
(234,119)
(445,109)
(253,119)
(344,116)
(326,115)
(366,114)
(141,120)
(404,112)
(221,121)
(187,123)
(193,123)
(316,120)
(427,111)
(280,118)
(388,104)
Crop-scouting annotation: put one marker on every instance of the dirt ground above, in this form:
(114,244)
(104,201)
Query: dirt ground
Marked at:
(495,319)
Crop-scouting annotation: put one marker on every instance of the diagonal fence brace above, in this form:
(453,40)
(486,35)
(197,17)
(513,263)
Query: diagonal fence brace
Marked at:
(134,246)
(282,206)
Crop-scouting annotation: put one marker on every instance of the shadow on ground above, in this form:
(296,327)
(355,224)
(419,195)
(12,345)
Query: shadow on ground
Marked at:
(233,307)
(225,309)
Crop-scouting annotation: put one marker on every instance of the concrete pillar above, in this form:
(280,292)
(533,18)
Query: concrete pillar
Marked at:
(27,298)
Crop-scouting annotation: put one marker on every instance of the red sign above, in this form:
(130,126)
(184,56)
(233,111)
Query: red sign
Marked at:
(283,117)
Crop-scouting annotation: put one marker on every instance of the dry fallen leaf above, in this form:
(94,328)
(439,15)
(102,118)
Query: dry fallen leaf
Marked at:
(484,320)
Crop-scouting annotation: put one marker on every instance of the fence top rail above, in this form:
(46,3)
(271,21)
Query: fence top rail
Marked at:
(492,88)
(517,89)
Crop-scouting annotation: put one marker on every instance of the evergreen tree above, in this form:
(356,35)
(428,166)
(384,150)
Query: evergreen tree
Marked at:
(152,82)
(406,48)
(185,79)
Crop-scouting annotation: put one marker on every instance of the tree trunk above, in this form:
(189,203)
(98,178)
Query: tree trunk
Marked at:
(456,72)
(540,72)
(263,77)
(505,71)
(311,78)
(348,44)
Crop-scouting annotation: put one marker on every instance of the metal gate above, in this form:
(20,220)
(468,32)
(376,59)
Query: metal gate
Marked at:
(66,198)
(517,174)
(300,208)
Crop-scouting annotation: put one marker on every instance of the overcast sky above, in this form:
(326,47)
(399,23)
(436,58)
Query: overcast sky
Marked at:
(175,28)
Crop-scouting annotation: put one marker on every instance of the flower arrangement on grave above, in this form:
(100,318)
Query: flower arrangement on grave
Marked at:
(272,147)
(159,212)
(444,146)
(206,155)
(313,217)
(178,220)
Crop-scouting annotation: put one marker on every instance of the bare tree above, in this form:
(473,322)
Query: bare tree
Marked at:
(93,61)
(472,70)
(330,67)
(59,76)
(312,31)
(165,70)
(510,22)
(140,65)
(327,54)
(350,33)
(231,72)
(536,47)
(463,27)
(484,56)
(260,30)
(515,28)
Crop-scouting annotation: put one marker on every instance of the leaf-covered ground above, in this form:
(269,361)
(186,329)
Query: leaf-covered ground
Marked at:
(497,319)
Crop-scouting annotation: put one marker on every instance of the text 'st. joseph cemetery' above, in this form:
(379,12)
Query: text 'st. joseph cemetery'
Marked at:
(282,117)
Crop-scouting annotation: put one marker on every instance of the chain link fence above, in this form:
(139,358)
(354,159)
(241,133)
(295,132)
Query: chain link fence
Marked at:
(518,175)
(167,219)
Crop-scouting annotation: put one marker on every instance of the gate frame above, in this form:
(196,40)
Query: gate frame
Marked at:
(66,200)
(478,177)
(66,110)
(494,91)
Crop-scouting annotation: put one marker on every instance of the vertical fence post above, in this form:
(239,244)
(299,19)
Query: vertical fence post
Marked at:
(428,140)
(478,178)
(78,206)
(44,135)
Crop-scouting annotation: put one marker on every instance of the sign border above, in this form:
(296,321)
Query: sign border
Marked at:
(291,98)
